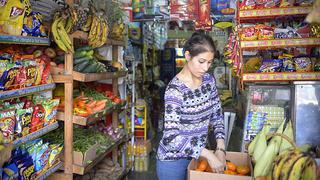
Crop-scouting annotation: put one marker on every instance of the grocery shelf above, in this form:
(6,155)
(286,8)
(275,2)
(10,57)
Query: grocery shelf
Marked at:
(84,121)
(50,171)
(88,77)
(283,76)
(81,170)
(25,40)
(36,134)
(273,43)
(274,12)
(25,91)
(84,36)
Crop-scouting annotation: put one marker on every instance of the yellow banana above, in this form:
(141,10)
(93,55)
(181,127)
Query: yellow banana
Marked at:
(289,164)
(279,162)
(56,35)
(97,38)
(298,167)
(87,26)
(69,24)
(64,35)
(104,33)
(93,30)
(310,171)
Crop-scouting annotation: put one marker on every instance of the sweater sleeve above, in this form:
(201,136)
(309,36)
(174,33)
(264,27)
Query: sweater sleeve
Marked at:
(217,120)
(173,101)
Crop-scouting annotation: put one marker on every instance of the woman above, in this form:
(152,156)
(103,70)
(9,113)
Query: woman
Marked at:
(191,105)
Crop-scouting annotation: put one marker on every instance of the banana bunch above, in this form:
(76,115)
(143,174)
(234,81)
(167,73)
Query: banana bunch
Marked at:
(98,32)
(117,31)
(60,35)
(294,164)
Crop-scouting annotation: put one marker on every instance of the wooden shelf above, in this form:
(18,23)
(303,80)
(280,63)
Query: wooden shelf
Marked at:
(26,91)
(274,12)
(274,43)
(82,170)
(283,76)
(84,36)
(36,134)
(25,40)
(85,121)
(50,171)
(88,77)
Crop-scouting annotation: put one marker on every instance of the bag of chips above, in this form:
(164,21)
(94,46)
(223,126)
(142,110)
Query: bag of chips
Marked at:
(271,65)
(50,107)
(7,125)
(303,64)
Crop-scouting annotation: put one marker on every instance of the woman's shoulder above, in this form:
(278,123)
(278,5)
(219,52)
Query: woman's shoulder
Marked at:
(175,84)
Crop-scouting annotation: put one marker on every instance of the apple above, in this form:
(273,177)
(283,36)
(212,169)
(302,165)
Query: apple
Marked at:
(50,52)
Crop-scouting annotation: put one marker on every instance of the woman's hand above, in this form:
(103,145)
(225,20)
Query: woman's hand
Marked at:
(221,156)
(213,160)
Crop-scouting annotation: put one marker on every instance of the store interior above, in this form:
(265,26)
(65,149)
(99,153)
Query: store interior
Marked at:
(83,83)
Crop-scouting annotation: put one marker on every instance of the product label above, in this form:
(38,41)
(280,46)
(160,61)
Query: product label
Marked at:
(3,3)
(16,11)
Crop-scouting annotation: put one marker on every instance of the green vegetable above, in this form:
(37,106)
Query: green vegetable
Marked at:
(79,67)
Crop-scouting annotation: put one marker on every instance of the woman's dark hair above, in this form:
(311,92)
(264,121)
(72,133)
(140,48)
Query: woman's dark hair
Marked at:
(198,43)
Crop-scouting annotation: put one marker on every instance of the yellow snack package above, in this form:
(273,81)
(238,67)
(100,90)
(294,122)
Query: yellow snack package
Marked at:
(11,19)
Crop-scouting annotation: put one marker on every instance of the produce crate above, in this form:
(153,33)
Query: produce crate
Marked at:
(83,159)
(240,159)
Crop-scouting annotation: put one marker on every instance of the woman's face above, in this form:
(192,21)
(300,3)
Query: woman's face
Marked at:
(199,64)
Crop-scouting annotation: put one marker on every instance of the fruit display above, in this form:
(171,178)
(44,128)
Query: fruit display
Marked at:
(24,67)
(60,35)
(279,156)
(106,169)
(231,168)
(22,116)
(31,159)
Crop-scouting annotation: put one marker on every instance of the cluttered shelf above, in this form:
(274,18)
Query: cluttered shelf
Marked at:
(77,169)
(84,36)
(294,42)
(274,12)
(24,40)
(84,121)
(50,171)
(25,91)
(36,134)
(283,76)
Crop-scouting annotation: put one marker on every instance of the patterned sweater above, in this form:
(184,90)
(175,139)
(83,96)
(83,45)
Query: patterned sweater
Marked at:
(188,114)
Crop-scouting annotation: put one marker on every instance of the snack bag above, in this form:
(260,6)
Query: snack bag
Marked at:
(8,77)
(287,3)
(248,33)
(7,124)
(31,73)
(12,17)
(40,68)
(303,64)
(32,25)
(24,120)
(247,4)
(288,65)
(54,153)
(264,32)
(10,171)
(37,118)
(42,158)
(46,76)
(50,107)
(271,65)
(267,3)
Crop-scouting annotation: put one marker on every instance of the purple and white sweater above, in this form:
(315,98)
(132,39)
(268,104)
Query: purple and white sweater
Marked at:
(188,114)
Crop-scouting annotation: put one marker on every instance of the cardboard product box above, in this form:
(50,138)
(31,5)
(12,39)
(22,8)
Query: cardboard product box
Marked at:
(235,157)
(83,159)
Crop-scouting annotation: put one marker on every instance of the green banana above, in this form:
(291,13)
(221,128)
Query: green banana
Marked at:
(93,30)
(296,170)
(56,35)
(69,24)
(310,170)
(64,35)
(261,143)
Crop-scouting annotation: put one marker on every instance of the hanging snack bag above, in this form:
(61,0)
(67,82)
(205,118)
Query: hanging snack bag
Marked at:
(248,33)
(37,118)
(7,124)
(24,119)
(50,107)
(303,64)
(271,65)
(11,18)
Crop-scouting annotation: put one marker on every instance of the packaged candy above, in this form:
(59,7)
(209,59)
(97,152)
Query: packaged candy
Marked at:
(287,3)
(264,32)
(24,119)
(7,124)
(303,64)
(285,33)
(37,118)
(50,107)
(271,65)
(248,4)
(54,153)
(248,33)
(288,65)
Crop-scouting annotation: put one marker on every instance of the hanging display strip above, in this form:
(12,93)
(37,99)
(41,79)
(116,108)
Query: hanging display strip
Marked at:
(50,171)
(84,36)
(289,76)
(84,121)
(26,40)
(81,170)
(36,134)
(274,12)
(25,91)
(88,77)
(280,43)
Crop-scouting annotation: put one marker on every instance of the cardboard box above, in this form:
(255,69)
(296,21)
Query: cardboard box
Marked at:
(235,157)
(83,159)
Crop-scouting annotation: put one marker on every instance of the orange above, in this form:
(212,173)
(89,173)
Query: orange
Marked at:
(243,170)
(231,166)
(230,172)
(209,169)
(202,165)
